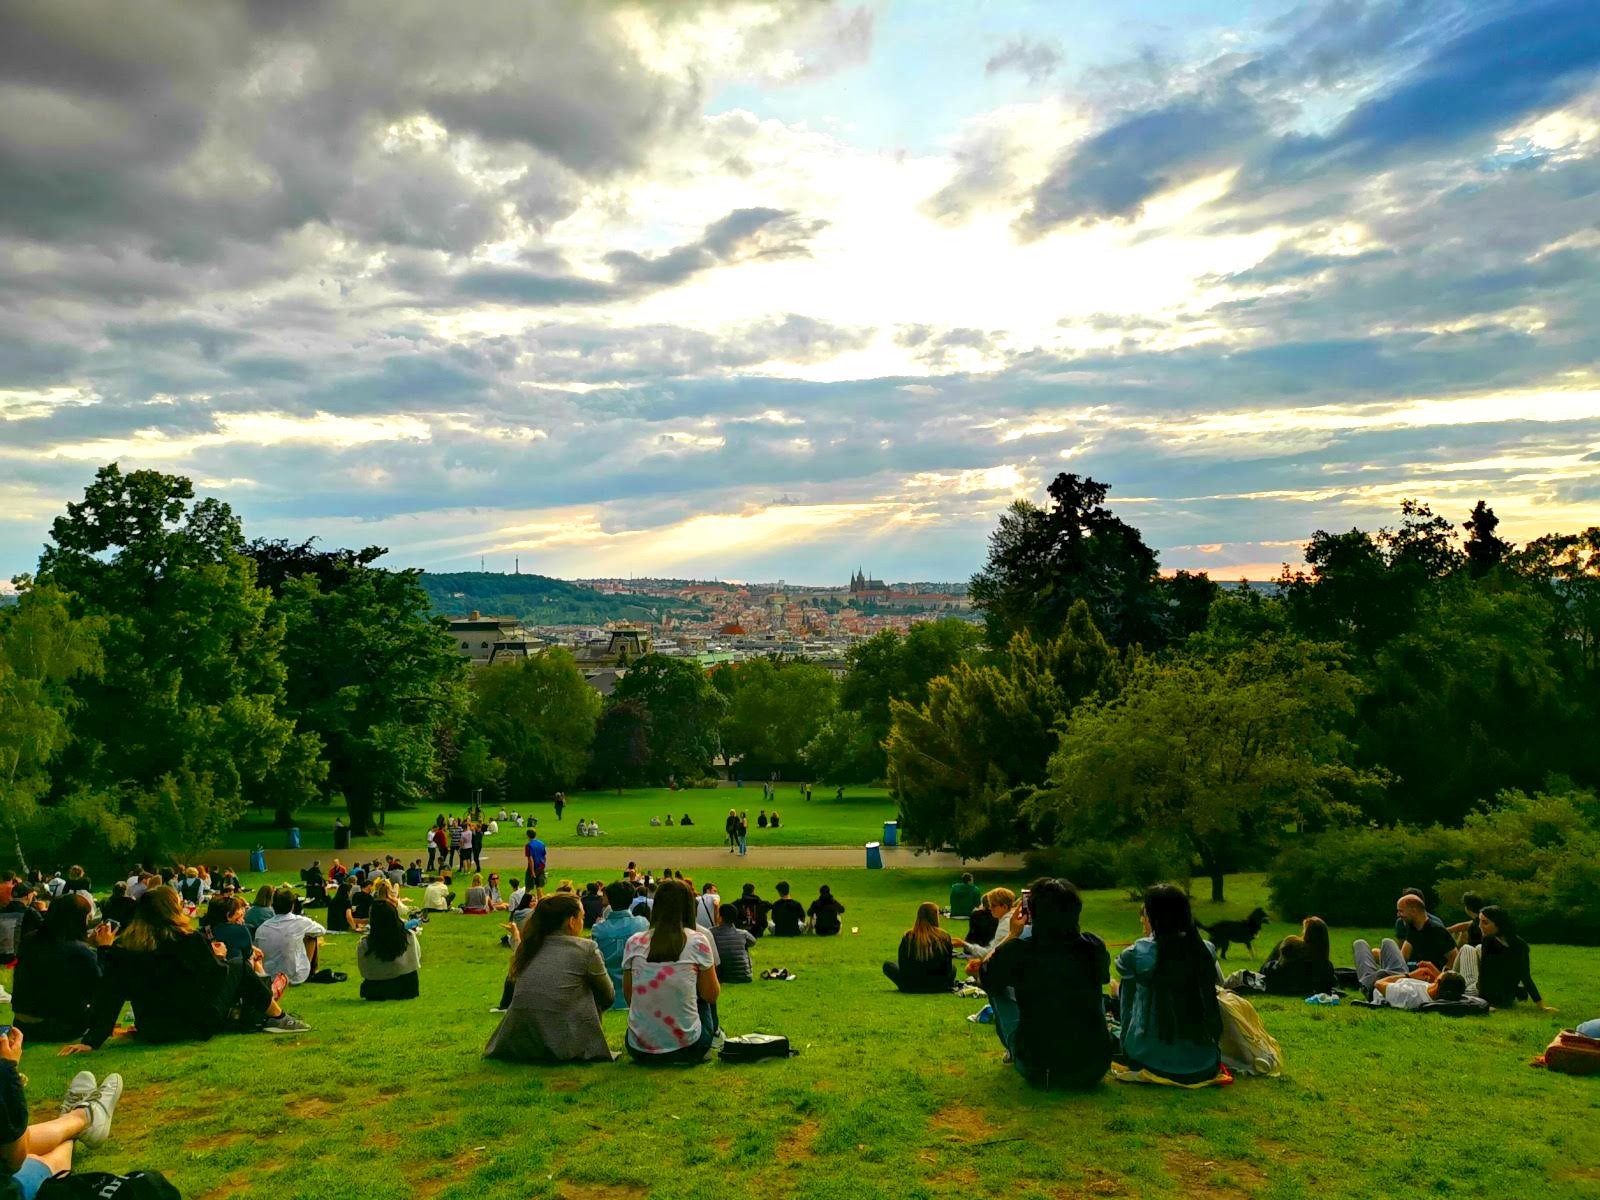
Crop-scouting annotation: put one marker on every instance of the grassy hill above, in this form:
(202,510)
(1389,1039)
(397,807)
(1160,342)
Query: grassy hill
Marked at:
(537,599)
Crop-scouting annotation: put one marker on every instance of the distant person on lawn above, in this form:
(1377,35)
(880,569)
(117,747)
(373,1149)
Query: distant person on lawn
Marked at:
(1046,990)
(1167,989)
(1422,936)
(437,896)
(389,957)
(183,988)
(1498,968)
(612,931)
(788,914)
(559,989)
(964,897)
(289,942)
(824,913)
(926,958)
(669,977)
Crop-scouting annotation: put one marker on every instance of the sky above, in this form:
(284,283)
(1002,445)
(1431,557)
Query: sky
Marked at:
(777,290)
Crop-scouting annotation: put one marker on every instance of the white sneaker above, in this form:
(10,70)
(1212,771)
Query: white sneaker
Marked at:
(79,1091)
(100,1106)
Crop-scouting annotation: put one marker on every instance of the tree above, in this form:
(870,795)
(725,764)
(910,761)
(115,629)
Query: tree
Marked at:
(374,676)
(685,714)
(1189,599)
(1215,754)
(189,726)
(1483,549)
(620,756)
(43,648)
(538,716)
(776,711)
(843,751)
(1042,560)
(884,668)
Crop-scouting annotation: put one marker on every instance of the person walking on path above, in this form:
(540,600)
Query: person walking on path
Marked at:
(535,852)
(561,804)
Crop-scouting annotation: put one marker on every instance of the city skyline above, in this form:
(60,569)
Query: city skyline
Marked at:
(777,291)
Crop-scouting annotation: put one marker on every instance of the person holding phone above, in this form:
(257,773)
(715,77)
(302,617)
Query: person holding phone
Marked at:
(30,1155)
(59,970)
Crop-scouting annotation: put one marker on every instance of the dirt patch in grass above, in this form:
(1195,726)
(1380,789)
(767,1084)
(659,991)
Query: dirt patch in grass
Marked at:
(796,1147)
(564,1085)
(312,1108)
(215,1141)
(241,1183)
(597,1191)
(1198,1175)
(961,1120)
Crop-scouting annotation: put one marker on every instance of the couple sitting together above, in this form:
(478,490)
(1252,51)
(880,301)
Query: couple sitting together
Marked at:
(1045,980)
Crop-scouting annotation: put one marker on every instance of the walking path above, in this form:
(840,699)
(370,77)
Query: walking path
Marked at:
(575,861)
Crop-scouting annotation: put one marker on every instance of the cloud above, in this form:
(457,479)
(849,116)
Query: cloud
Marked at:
(744,235)
(1035,60)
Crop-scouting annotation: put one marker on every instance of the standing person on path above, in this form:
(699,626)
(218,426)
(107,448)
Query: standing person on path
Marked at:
(743,830)
(466,844)
(561,804)
(455,843)
(535,852)
(731,825)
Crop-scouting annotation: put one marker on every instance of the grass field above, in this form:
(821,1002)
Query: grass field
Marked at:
(892,1096)
(625,820)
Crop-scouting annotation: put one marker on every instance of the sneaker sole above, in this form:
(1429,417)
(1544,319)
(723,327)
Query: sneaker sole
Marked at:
(274,1029)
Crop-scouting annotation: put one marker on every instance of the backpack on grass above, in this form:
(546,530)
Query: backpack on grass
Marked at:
(1571,1054)
(751,1047)
(99,1185)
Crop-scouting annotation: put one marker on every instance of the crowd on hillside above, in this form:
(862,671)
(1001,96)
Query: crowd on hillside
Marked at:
(195,957)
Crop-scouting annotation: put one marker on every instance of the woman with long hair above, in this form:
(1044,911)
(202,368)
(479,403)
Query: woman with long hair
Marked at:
(1171,1020)
(669,976)
(260,909)
(182,985)
(1302,964)
(339,906)
(559,988)
(389,957)
(927,955)
(58,972)
(1499,969)
(224,922)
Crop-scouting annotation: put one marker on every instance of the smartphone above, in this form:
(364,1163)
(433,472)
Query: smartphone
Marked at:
(5,1031)
(116,926)
(1027,911)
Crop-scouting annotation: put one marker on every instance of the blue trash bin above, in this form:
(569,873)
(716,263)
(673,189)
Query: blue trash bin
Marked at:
(258,859)
(891,833)
(294,837)
(874,857)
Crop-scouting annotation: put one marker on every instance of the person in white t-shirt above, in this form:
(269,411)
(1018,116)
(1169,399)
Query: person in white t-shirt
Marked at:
(706,906)
(669,978)
(1385,979)
(288,941)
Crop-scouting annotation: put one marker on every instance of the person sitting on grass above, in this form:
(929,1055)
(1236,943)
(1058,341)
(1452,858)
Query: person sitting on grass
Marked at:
(119,907)
(32,1154)
(669,977)
(1171,1019)
(776,822)
(389,957)
(964,897)
(926,957)
(1385,980)
(1421,935)
(361,900)
(339,905)
(753,911)
(985,923)
(788,915)
(594,904)
(491,892)
(1499,968)
(1046,990)
(824,913)
(1468,932)
(224,922)
(438,897)
(687,820)
(182,986)
(477,901)
(559,988)
(1302,964)
(58,972)
(290,941)
(733,946)
(612,931)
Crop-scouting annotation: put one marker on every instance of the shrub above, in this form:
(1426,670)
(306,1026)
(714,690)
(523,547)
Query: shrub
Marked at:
(1353,876)
(1138,864)
(1089,864)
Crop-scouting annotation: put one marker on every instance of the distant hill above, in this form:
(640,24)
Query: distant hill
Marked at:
(536,599)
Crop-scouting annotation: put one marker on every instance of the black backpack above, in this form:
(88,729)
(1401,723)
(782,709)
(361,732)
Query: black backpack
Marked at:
(98,1185)
(750,1047)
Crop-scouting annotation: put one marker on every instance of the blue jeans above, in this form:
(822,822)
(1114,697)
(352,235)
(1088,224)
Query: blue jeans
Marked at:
(741,843)
(1007,1017)
(30,1177)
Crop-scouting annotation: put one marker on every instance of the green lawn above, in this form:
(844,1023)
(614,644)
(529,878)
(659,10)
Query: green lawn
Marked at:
(625,820)
(893,1096)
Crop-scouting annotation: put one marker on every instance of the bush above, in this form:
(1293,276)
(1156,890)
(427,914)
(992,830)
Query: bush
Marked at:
(1538,856)
(708,781)
(1088,864)
(1138,865)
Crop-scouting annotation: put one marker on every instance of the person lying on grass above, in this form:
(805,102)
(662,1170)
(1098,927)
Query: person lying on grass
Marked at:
(558,989)
(1385,979)
(389,957)
(31,1154)
(669,976)
(1498,968)
(926,958)
(1046,990)
(1167,989)
(183,987)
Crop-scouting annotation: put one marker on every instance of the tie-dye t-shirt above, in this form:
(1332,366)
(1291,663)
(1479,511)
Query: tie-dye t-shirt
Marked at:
(663,1015)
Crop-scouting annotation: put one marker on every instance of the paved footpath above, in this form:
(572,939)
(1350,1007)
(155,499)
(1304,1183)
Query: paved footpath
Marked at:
(578,861)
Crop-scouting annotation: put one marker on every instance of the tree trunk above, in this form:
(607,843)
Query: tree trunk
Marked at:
(1216,886)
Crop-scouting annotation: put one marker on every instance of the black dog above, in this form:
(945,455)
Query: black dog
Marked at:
(1226,933)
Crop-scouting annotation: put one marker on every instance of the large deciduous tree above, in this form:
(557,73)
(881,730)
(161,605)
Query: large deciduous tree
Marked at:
(187,726)
(775,711)
(685,713)
(538,717)
(620,756)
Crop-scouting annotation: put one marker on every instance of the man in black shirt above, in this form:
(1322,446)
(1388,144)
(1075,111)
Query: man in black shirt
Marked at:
(1423,937)
(1046,990)
(787,915)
